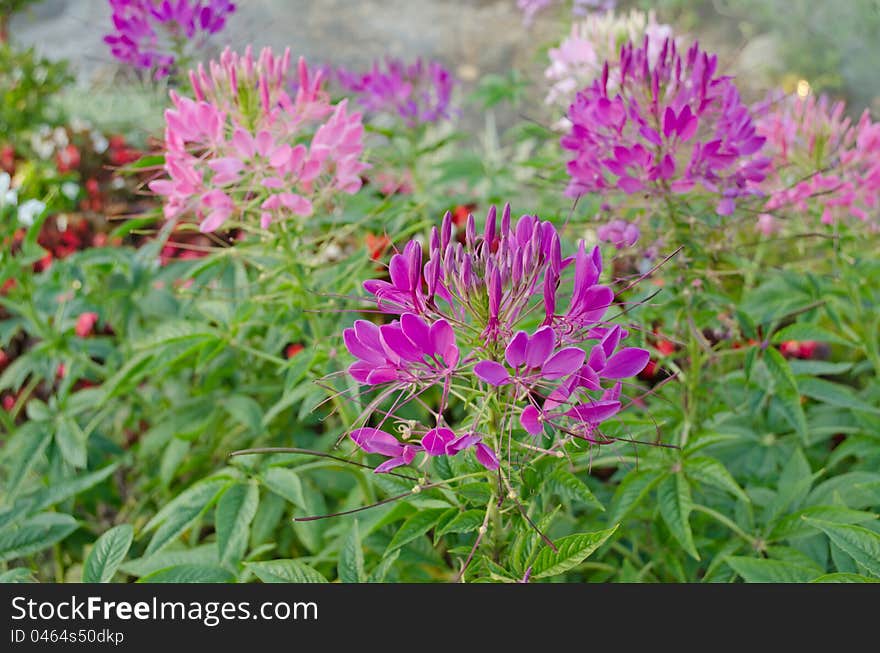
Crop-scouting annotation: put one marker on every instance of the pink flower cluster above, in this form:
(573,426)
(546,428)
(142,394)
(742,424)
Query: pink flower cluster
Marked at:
(245,148)
(820,158)
(673,124)
(152,34)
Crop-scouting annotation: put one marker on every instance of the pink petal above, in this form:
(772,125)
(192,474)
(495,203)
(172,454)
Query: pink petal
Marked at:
(625,363)
(492,373)
(531,420)
(486,457)
(515,354)
(435,441)
(563,363)
(540,347)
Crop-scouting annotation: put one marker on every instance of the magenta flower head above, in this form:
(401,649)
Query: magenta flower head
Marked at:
(154,34)
(418,93)
(243,149)
(821,159)
(619,233)
(499,328)
(673,124)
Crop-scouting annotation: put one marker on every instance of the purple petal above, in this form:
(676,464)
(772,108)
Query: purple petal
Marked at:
(358,349)
(486,457)
(393,338)
(443,339)
(461,443)
(390,464)
(627,362)
(595,412)
(492,373)
(435,441)
(417,331)
(563,363)
(515,354)
(375,441)
(540,347)
(531,420)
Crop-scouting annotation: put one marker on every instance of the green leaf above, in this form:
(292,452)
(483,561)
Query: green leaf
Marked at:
(285,483)
(634,487)
(571,551)
(380,572)
(856,541)
(285,571)
(35,534)
(71,441)
(674,497)
(232,519)
(17,575)
(786,390)
(464,522)
(761,570)
(58,492)
(569,486)
(818,368)
(802,331)
(351,558)
(178,515)
(31,440)
(206,554)
(245,411)
(107,554)
(834,394)
(415,526)
(844,578)
(190,574)
(711,472)
(798,524)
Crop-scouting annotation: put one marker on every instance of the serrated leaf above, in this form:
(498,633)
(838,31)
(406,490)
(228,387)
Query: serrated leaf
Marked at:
(711,472)
(674,497)
(285,571)
(569,486)
(415,526)
(245,411)
(833,394)
(464,522)
(190,574)
(107,554)
(571,551)
(35,534)
(634,487)
(858,542)
(762,570)
(786,390)
(351,558)
(179,515)
(232,519)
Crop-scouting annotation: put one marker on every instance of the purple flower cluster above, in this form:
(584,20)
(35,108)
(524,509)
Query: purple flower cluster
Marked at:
(418,93)
(151,34)
(480,318)
(674,123)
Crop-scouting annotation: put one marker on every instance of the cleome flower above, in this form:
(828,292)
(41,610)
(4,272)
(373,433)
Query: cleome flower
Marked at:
(152,34)
(672,124)
(418,93)
(482,321)
(245,150)
(820,158)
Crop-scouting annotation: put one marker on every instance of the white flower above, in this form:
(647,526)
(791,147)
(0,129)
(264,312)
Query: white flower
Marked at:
(8,195)
(70,190)
(60,137)
(99,143)
(29,211)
